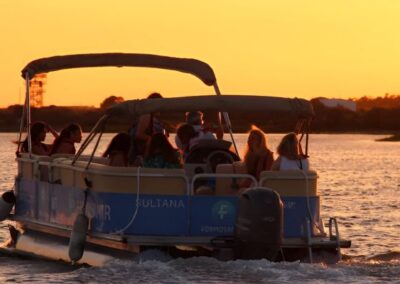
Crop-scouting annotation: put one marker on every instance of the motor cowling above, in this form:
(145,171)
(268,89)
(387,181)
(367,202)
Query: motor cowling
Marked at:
(7,202)
(259,224)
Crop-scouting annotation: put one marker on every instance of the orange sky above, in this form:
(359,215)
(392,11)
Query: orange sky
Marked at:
(341,48)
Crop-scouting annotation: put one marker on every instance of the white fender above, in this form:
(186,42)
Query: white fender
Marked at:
(7,202)
(78,237)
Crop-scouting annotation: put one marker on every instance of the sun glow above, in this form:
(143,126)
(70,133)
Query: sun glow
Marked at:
(284,48)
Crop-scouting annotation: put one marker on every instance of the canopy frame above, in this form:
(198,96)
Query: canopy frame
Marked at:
(195,67)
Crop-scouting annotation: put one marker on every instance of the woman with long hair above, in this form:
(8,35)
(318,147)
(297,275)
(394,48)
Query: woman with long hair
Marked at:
(118,150)
(38,135)
(161,154)
(290,155)
(257,156)
(65,143)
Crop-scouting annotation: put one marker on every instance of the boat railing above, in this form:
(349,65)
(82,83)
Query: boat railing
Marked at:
(106,178)
(286,183)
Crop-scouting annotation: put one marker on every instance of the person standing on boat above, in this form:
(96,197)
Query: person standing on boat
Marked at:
(161,154)
(65,143)
(38,135)
(257,156)
(142,130)
(290,155)
(118,150)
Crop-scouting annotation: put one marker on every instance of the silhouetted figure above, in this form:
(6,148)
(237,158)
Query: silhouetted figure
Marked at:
(65,143)
(161,154)
(257,156)
(290,155)
(195,119)
(118,150)
(185,133)
(141,132)
(38,135)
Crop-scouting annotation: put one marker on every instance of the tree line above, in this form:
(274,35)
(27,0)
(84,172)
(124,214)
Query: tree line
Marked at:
(381,114)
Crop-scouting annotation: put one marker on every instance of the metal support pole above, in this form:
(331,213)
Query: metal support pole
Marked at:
(333,221)
(21,128)
(309,243)
(28,114)
(307,135)
(90,137)
(227,121)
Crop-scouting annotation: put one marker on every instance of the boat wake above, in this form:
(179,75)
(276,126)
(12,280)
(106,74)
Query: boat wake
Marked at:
(210,270)
(156,266)
(392,256)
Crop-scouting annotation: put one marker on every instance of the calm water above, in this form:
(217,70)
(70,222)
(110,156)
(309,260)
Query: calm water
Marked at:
(359,183)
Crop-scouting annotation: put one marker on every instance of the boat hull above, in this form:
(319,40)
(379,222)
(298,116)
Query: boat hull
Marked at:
(131,209)
(49,242)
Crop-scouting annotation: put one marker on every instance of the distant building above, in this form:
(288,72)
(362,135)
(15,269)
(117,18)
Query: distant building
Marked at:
(332,103)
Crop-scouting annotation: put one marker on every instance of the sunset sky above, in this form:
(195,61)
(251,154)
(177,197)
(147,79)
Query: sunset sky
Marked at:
(296,48)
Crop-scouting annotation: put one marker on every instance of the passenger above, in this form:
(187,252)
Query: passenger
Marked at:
(290,155)
(161,154)
(141,132)
(38,135)
(118,150)
(185,134)
(257,156)
(65,143)
(195,118)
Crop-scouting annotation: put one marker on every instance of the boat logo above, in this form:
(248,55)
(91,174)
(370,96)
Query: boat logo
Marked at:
(222,209)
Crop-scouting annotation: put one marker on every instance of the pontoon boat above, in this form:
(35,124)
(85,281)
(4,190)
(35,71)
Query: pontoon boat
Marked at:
(78,208)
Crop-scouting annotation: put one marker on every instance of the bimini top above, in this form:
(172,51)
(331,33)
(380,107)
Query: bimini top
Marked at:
(44,65)
(224,103)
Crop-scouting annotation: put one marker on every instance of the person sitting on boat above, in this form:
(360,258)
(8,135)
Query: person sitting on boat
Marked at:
(195,119)
(142,130)
(257,156)
(161,154)
(290,155)
(186,133)
(118,150)
(65,142)
(38,135)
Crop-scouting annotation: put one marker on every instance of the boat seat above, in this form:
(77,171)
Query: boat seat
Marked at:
(290,182)
(120,179)
(227,186)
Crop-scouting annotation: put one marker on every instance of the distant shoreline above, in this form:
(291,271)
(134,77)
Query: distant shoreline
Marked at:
(392,138)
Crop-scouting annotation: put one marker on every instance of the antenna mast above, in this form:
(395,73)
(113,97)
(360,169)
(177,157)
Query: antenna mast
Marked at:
(36,87)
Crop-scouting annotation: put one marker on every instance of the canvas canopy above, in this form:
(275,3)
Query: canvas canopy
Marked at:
(224,103)
(192,66)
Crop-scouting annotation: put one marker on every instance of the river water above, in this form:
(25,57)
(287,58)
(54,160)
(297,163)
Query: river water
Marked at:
(359,183)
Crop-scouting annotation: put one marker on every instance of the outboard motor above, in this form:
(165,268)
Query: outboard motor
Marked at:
(7,202)
(259,224)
